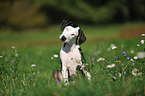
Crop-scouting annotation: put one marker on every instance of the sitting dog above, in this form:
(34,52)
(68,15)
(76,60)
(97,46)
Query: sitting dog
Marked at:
(71,55)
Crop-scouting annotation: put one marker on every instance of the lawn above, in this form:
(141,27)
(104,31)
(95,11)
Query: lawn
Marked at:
(27,62)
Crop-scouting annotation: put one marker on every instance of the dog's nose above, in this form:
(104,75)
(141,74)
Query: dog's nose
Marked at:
(63,38)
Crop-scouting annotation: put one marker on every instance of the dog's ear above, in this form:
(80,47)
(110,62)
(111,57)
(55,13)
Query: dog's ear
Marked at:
(81,37)
(67,23)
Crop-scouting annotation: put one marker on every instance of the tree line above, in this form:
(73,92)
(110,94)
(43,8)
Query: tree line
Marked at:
(23,14)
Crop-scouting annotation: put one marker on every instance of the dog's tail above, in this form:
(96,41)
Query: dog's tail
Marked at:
(58,76)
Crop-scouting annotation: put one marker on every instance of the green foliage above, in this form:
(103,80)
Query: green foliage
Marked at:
(35,67)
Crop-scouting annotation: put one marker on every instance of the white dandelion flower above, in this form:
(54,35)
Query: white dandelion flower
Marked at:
(51,57)
(113,77)
(16,55)
(132,51)
(134,72)
(13,47)
(55,55)
(111,66)
(119,74)
(1,56)
(142,41)
(33,65)
(142,35)
(113,46)
(135,57)
(99,51)
(100,59)
(138,45)
(141,55)
(139,74)
(132,60)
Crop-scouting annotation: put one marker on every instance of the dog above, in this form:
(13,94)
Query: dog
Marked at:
(71,54)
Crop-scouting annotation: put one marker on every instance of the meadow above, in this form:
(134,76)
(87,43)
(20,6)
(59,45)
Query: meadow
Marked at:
(28,59)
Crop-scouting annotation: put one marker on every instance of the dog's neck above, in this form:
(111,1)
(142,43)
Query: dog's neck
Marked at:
(68,47)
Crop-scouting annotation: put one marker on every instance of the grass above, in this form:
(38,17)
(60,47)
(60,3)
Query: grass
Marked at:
(18,77)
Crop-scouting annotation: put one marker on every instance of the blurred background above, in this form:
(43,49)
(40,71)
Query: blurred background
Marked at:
(23,14)
(37,16)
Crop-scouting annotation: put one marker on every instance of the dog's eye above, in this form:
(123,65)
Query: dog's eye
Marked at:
(72,34)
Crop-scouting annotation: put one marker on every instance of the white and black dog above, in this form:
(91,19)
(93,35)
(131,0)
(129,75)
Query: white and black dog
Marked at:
(71,54)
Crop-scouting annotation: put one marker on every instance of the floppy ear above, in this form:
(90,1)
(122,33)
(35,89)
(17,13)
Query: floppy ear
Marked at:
(67,23)
(81,37)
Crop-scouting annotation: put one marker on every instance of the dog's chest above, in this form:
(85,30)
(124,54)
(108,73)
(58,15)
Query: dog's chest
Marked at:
(71,57)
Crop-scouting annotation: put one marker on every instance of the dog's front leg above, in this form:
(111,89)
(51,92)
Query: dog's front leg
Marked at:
(65,73)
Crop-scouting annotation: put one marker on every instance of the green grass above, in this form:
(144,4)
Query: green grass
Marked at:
(18,78)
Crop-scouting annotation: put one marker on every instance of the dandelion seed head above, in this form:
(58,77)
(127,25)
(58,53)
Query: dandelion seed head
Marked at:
(99,51)
(108,49)
(16,55)
(132,51)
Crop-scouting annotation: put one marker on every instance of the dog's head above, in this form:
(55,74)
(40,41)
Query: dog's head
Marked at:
(71,33)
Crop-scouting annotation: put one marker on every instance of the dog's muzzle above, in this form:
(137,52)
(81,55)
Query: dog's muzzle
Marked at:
(63,38)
